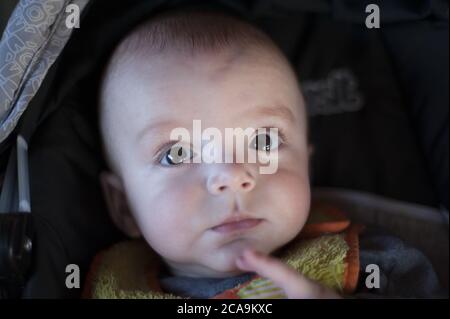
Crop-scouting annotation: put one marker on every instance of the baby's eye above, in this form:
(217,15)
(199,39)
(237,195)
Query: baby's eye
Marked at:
(176,155)
(266,140)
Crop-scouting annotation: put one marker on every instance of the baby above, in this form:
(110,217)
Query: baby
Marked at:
(213,221)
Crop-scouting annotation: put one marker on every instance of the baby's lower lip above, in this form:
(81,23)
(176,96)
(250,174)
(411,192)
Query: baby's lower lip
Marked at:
(237,226)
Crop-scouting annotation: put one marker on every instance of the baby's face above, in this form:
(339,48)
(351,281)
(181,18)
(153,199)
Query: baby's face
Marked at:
(183,210)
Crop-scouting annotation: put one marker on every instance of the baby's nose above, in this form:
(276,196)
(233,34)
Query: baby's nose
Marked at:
(230,177)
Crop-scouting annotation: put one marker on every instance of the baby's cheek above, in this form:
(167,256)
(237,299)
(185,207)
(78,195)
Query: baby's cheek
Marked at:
(164,232)
(294,200)
(165,220)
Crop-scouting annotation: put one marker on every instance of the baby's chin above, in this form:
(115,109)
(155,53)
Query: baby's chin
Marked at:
(223,262)
(226,268)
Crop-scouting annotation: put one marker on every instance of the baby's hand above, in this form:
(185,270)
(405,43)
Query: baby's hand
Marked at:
(295,285)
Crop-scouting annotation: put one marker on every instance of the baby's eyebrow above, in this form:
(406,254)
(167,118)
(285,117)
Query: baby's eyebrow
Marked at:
(279,111)
(159,127)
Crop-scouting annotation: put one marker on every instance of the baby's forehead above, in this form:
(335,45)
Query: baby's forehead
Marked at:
(238,70)
(217,61)
(176,78)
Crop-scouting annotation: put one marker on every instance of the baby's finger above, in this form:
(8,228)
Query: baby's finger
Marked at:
(294,284)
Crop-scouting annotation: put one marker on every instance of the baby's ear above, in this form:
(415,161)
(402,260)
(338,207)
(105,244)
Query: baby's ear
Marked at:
(116,202)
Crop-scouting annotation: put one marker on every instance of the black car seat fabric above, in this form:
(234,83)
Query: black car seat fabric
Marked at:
(361,126)
(426,80)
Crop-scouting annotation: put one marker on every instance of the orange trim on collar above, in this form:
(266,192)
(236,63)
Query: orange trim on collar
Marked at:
(351,272)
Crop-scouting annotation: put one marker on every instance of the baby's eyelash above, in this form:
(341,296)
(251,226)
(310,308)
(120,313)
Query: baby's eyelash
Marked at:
(161,151)
(281,134)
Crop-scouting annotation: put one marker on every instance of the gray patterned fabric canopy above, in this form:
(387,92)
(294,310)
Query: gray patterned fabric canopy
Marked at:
(34,37)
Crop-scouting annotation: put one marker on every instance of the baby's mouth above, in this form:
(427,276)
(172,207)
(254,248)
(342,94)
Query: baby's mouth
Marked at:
(236,224)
